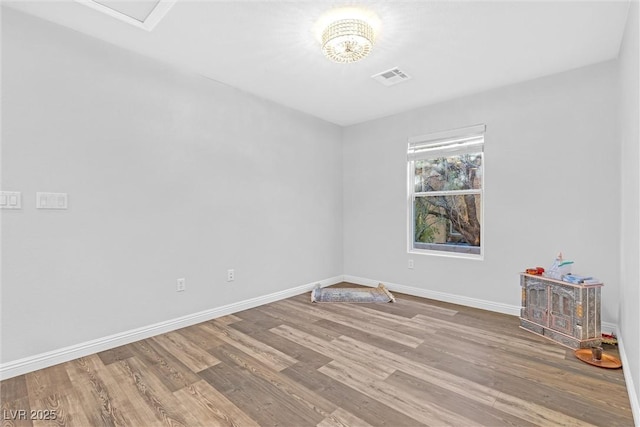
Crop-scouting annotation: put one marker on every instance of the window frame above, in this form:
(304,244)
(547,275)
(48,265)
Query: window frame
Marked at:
(443,144)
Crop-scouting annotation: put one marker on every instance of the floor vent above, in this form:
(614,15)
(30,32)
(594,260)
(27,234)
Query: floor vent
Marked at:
(391,77)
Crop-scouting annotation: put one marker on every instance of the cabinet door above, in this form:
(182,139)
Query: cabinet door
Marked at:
(562,308)
(537,300)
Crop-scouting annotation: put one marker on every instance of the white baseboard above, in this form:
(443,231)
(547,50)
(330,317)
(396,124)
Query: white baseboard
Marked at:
(54,357)
(498,307)
(628,379)
(609,328)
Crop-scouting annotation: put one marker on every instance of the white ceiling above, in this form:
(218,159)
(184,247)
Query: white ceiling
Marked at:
(449,48)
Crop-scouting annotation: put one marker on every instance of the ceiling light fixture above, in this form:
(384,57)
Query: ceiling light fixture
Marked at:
(347,40)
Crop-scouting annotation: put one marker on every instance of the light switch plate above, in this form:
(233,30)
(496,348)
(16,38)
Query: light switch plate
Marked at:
(51,200)
(10,200)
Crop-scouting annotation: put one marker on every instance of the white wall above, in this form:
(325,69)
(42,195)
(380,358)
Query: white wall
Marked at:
(168,174)
(551,184)
(630,206)
(172,175)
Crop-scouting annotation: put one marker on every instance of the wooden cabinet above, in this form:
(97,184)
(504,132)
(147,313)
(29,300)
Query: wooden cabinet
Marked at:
(563,312)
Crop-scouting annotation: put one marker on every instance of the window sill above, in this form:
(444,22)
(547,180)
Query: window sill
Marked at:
(451,251)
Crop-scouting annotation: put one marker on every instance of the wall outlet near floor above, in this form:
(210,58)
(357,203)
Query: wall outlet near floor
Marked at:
(410,264)
(231,275)
(181,285)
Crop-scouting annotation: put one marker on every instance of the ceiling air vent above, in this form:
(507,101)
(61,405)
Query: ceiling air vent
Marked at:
(391,77)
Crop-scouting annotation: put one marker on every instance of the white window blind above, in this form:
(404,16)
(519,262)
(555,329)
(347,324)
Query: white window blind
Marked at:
(459,141)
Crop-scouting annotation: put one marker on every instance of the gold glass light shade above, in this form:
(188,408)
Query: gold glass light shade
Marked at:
(347,40)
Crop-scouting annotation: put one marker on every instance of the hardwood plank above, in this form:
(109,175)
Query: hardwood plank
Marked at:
(453,402)
(342,418)
(127,396)
(14,388)
(408,306)
(329,349)
(352,401)
(228,319)
(250,328)
(96,399)
(59,410)
(268,405)
(364,326)
(115,354)
(15,412)
(297,319)
(273,358)
(295,392)
(548,349)
(255,321)
(206,403)
(420,303)
(397,308)
(422,411)
(200,336)
(358,335)
(298,352)
(384,320)
(168,369)
(499,323)
(190,354)
(153,393)
(288,317)
(14,402)
(45,382)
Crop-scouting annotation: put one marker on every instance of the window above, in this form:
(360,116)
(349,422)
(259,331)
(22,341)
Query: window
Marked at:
(445,172)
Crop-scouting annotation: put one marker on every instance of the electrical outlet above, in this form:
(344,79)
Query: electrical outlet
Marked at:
(410,264)
(231,275)
(181,285)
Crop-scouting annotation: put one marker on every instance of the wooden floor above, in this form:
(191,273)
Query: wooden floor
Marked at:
(293,363)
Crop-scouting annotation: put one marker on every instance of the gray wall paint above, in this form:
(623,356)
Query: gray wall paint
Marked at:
(551,184)
(169,175)
(630,185)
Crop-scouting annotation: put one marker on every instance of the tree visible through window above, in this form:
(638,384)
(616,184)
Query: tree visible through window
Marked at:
(445,192)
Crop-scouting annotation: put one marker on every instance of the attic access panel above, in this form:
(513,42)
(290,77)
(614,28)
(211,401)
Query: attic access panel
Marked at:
(143,14)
